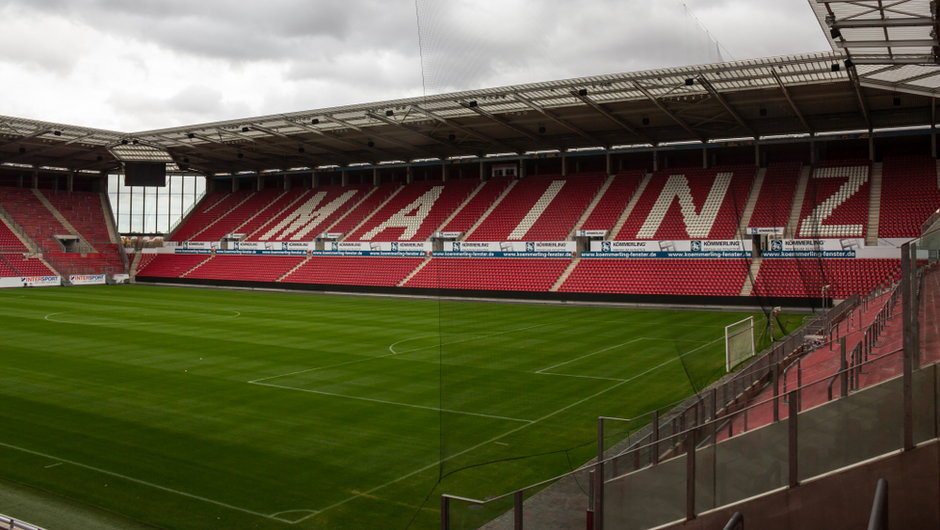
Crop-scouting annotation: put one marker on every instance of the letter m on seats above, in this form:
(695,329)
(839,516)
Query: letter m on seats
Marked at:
(697,223)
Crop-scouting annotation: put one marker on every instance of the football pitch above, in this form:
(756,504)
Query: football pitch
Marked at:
(143,407)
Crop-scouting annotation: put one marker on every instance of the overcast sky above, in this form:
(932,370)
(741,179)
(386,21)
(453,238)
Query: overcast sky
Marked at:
(132,65)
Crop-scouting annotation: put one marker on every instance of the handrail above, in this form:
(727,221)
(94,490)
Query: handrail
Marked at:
(878,520)
(736,522)
(686,432)
(10,523)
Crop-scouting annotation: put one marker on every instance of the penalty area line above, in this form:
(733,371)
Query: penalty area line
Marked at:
(150,484)
(503,435)
(393,403)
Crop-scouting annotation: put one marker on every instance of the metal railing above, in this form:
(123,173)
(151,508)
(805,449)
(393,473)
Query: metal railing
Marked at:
(680,450)
(699,423)
(736,522)
(10,523)
(878,520)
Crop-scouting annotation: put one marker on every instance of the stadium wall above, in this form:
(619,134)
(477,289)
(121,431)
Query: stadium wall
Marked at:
(697,302)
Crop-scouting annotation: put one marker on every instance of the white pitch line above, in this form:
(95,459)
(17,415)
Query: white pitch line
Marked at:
(217,317)
(145,483)
(52,315)
(602,350)
(277,514)
(540,372)
(392,354)
(505,434)
(50,466)
(395,403)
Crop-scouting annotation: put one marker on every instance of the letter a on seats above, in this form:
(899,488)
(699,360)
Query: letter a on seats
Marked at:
(410,217)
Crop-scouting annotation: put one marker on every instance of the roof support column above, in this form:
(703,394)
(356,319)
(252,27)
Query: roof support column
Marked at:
(70,182)
(234,184)
(704,158)
(871,148)
(376,180)
(443,171)
(607,162)
(812,151)
(344,178)
(259,183)
(564,165)
(756,154)
(655,160)
(286,183)
(35,178)
(482,171)
(933,127)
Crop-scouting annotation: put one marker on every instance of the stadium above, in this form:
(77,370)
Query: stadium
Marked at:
(689,297)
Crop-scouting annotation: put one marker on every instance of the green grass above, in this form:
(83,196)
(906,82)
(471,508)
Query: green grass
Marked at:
(187,408)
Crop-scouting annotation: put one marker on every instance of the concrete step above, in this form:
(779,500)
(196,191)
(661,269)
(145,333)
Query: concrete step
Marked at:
(489,210)
(615,231)
(798,197)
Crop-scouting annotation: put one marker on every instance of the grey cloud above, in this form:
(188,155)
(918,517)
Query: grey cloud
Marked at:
(239,31)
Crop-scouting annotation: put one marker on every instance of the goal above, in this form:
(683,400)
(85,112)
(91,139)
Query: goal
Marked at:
(739,342)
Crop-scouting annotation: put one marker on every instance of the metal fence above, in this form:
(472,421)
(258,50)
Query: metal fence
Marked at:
(9,523)
(721,446)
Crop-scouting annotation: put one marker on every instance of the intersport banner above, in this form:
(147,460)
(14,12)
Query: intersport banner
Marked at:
(87,279)
(41,281)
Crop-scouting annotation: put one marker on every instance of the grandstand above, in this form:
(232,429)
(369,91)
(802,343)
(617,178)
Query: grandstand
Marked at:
(806,184)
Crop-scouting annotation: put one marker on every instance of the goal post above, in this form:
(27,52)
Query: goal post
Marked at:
(739,342)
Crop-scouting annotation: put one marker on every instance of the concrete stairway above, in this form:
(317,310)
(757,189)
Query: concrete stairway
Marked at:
(751,202)
(416,271)
(288,273)
(19,232)
(797,207)
(461,207)
(874,205)
(564,276)
(748,286)
(490,209)
(84,246)
(590,209)
(615,231)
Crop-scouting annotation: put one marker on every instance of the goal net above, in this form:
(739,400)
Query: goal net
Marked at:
(739,342)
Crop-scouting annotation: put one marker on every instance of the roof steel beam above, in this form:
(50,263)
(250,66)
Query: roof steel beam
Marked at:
(887,23)
(318,132)
(49,148)
(36,134)
(911,43)
(282,148)
(466,130)
(502,121)
(356,128)
(408,128)
(560,121)
(863,107)
(607,114)
(789,98)
(679,121)
(727,106)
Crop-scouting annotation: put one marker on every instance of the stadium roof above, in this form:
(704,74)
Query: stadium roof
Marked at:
(792,95)
(892,44)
